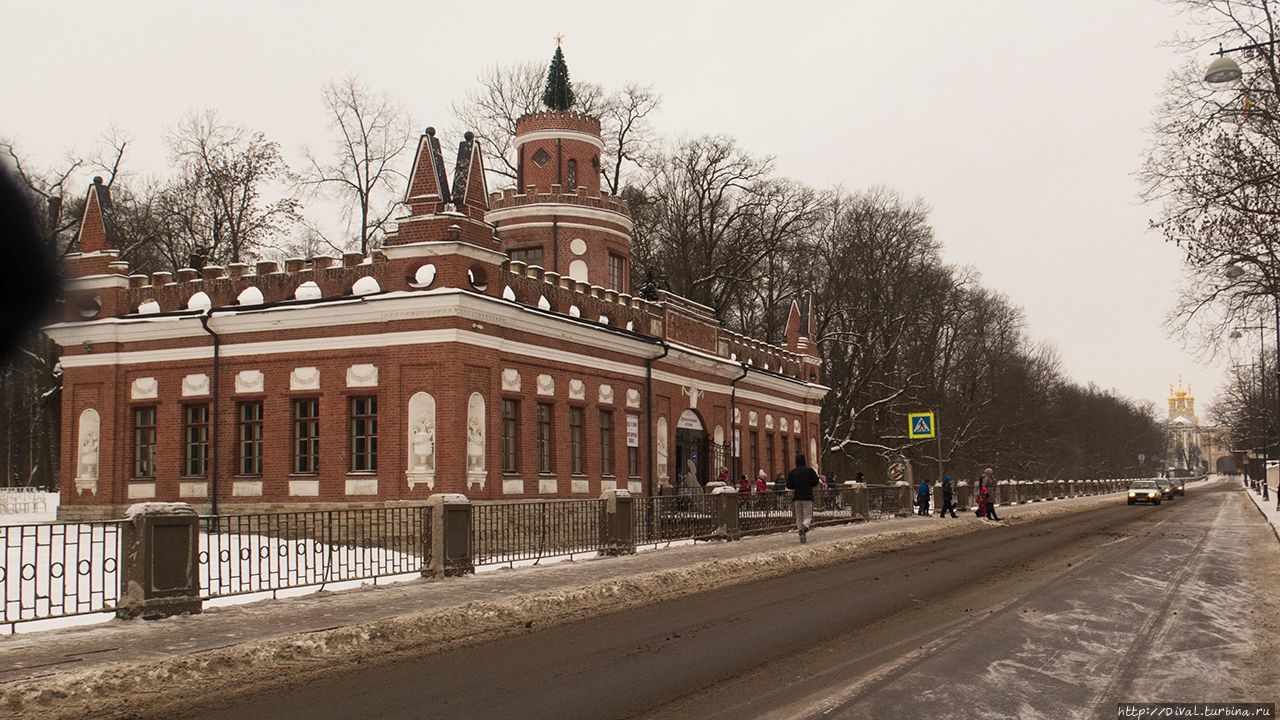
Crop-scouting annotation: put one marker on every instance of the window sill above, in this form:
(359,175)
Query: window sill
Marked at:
(303,475)
(362,473)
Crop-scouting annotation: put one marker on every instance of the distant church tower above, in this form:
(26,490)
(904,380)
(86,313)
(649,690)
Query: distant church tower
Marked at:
(1182,430)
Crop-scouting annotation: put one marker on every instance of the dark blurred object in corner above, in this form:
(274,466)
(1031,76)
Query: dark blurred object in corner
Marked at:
(28,278)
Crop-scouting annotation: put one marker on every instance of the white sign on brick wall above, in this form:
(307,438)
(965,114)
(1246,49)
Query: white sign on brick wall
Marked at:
(633,430)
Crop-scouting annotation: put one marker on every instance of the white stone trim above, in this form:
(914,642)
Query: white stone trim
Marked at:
(196,489)
(578,135)
(607,485)
(250,381)
(511,380)
(633,398)
(567,225)
(577,389)
(246,488)
(97,282)
(605,394)
(548,486)
(144,388)
(439,248)
(304,378)
(195,385)
(304,488)
(512,486)
(546,385)
(635,487)
(579,487)
(362,375)
(141,491)
(362,486)
(496,217)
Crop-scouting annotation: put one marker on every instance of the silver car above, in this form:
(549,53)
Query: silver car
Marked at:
(1145,491)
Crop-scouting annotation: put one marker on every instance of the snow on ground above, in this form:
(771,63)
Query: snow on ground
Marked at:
(1268,506)
(43,507)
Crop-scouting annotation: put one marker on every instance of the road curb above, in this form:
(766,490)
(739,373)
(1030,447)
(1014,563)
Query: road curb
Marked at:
(178,684)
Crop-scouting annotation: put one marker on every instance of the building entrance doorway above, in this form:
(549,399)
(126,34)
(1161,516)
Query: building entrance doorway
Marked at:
(692,463)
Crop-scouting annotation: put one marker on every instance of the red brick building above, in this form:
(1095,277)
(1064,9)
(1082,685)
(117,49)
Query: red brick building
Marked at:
(489,348)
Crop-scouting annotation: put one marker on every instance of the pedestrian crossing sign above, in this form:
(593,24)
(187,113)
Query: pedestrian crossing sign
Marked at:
(921,426)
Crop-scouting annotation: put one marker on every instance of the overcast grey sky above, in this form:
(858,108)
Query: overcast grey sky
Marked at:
(1020,122)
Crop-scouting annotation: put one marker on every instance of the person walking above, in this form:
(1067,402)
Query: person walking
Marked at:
(988,481)
(980,498)
(948,498)
(801,481)
(922,498)
(762,484)
(744,487)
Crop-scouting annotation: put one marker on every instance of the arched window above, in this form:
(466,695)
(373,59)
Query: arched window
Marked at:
(573,176)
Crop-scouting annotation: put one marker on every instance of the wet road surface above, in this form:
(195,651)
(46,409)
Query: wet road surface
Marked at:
(1057,619)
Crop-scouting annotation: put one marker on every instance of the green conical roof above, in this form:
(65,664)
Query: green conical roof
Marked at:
(558,94)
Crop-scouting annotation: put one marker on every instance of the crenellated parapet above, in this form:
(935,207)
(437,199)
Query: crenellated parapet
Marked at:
(550,120)
(555,194)
(264,283)
(671,318)
(549,291)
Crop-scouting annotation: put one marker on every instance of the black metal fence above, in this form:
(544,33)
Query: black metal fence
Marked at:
(765,512)
(883,501)
(656,520)
(59,570)
(518,531)
(275,551)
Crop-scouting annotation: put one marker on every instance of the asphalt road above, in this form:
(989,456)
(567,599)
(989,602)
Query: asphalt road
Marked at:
(1057,619)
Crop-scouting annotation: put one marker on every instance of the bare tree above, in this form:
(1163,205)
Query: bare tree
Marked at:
(502,95)
(627,131)
(216,204)
(371,134)
(1213,169)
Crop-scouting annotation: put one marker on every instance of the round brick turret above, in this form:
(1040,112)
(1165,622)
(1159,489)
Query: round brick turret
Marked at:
(557,217)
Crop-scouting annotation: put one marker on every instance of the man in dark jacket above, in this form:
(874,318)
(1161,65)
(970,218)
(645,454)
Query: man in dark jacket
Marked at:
(948,503)
(801,481)
(922,498)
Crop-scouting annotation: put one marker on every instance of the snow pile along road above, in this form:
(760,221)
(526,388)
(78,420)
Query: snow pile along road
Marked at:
(167,687)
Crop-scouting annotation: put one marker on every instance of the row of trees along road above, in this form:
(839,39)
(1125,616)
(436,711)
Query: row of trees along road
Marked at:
(1212,174)
(900,330)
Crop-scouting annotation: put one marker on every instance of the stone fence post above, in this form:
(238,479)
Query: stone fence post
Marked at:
(906,499)
(615,523)
(855,496)
(725,504)
(159,569)
(451,551)
(964,495)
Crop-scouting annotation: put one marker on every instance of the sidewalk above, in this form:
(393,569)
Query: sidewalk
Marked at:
(1267,507)
(320,629)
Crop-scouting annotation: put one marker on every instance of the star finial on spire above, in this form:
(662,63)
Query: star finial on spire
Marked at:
(559,39)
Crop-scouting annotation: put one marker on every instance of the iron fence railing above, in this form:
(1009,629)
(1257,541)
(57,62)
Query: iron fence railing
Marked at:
(667,518)
(883,501)
(765,512)
(275,551)
(23,500)
(59,569)
(516,531)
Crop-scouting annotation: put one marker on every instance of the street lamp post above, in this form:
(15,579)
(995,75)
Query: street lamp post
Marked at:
(1261,420)
(1235,272)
